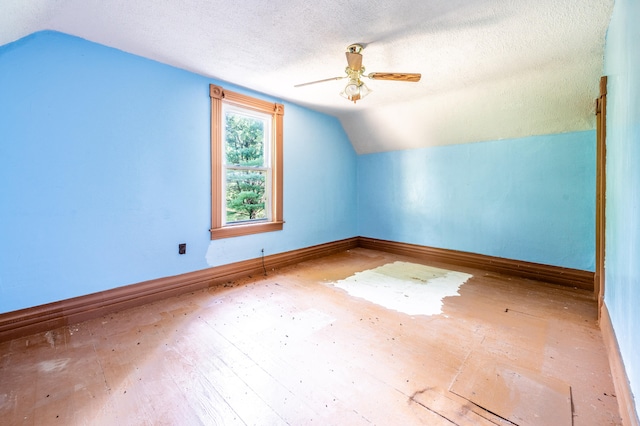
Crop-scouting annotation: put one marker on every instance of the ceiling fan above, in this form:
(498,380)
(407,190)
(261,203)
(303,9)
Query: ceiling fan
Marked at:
(355,88)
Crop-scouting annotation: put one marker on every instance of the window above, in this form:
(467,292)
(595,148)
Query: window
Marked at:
(246,164)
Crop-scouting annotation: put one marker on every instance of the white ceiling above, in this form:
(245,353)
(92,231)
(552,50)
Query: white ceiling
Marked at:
(491,69)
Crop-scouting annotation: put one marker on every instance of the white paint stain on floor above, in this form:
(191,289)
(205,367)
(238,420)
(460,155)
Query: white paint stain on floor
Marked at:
(405,287)
(54,365)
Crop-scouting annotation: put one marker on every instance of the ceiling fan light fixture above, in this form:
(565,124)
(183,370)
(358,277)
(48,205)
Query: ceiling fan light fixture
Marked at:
(352,88)
(355,90)
(354,71)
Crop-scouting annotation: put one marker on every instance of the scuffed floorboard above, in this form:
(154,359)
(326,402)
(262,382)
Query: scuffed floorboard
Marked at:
(517,394)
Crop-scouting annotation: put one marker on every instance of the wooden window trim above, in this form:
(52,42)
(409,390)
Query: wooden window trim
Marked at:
(218,95)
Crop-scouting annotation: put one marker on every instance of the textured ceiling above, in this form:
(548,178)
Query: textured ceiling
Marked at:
(491,69)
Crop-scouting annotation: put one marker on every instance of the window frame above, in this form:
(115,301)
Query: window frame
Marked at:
(218,228)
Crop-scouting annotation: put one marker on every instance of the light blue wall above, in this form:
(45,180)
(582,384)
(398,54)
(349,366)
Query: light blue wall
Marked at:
(530,199)
(104,169)
(622,255)
(104,165)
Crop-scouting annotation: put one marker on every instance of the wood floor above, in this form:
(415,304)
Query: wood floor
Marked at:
(290,348)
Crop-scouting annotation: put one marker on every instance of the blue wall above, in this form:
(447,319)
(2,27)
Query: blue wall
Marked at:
(622,251)
(104,169)
(530,199)
(104,164)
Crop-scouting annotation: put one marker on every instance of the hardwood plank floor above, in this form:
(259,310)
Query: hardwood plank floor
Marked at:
(291,348)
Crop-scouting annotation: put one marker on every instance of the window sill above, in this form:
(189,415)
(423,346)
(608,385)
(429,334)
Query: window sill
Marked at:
(245,229)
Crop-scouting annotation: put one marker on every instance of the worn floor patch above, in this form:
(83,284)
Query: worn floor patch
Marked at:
(521,396)
(405,287)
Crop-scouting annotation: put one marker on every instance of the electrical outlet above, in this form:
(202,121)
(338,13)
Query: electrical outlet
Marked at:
(182,248)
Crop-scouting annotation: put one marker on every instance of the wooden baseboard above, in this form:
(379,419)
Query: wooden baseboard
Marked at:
(552,274)
(41,318)
(624,394)
(70,311)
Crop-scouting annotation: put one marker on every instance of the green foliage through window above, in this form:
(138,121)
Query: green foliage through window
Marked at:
(246,174)
(244,142)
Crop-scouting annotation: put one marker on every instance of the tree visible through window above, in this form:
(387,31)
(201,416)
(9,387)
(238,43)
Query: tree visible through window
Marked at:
(247,167)
(246,164)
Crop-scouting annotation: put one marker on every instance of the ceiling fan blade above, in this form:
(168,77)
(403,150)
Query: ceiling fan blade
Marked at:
(319,81)
(396,76)
(354,60)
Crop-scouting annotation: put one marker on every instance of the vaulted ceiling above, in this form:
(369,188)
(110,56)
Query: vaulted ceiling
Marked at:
(491,69)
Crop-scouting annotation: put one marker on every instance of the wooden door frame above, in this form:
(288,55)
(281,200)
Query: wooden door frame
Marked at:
(601,186)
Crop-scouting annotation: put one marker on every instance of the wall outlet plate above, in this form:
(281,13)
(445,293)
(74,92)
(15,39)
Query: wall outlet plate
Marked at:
(182,248)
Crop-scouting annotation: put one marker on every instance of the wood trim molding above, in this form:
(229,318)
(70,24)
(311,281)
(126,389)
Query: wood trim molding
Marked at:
(245,229)
(41,318)
(216,93)
(553,274)
(601,189)
(626,403)
(70,311)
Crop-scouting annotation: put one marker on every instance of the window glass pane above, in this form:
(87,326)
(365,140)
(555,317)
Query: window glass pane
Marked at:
(246,195)
(244,139)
